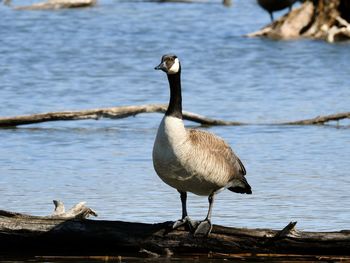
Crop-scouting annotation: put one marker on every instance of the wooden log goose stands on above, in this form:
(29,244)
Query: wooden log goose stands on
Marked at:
(192,160)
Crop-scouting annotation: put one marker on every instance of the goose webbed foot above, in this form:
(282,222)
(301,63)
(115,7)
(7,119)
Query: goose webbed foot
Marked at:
(186,221)
(204,228)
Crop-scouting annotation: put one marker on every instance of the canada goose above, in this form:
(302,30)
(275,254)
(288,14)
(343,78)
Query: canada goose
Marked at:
(276,5)
(192,160)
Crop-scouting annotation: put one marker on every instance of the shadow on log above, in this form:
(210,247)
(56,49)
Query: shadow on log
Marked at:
(59,235)
(316,19)
(128,111)
(58,4)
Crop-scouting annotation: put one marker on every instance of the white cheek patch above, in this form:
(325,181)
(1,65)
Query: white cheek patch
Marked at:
(175,67)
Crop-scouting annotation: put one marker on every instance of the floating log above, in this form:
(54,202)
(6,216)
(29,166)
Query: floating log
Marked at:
(224,2)
(58,4)
(316,19)
(58,235)
(321,119)
(7,2)
(127,111)
(113,113)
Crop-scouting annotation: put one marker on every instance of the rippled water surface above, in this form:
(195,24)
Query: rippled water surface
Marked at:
(104,56)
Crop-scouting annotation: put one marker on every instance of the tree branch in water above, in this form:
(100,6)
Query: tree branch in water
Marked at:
(127,111)
(58,4)
(321,119)
(112,113)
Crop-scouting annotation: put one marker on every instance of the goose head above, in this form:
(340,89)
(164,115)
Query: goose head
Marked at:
(170,64)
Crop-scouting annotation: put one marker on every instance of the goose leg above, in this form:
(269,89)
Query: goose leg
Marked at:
(185,219)
(271,16)
(204,227)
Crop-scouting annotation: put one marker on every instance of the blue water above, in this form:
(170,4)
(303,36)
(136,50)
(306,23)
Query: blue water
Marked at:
(104,56)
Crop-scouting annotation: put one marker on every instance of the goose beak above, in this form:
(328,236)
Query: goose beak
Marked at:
(161,66)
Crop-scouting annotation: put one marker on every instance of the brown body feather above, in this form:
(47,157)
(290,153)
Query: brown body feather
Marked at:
(196,161)
(218,152)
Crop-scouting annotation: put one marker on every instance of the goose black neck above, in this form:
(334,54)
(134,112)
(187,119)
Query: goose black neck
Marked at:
(175,103)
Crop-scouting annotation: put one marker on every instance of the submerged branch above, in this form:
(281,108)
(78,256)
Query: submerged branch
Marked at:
(321,119)
(58,4)
(113,113)
(127,111)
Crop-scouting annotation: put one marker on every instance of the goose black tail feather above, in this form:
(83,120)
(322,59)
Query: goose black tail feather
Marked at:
(242,187)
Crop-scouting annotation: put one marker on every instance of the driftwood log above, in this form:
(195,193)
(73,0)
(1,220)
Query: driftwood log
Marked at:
(113,113)
(70,234)
(58,4)
(224,2)
(127,111)
(316,19)
(6,2)
(321,119)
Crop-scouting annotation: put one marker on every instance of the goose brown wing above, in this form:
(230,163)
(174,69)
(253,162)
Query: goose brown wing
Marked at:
(218,150)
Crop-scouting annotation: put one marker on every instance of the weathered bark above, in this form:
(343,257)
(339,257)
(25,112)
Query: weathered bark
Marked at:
(321,119)
(224,2)
(7,2)
(25,235)
(318,19)
(58,4)
(79,211)
(179,1)
(127,111)
(113,113)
